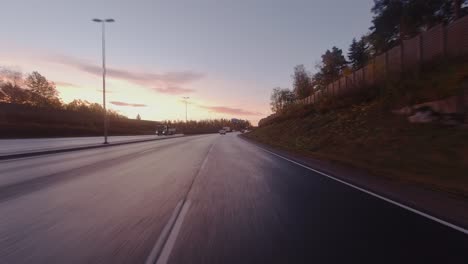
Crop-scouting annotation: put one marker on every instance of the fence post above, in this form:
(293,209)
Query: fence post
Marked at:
(420,53)
(354,79)
(339,86)
(373,71)
(402,59)
(444,42)
(364,75)
(346,84)
(386,65)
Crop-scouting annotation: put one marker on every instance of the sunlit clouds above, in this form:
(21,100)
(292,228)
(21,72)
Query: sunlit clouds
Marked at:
(229,110)
(127,104)
(167,82)
(155,95)
(64,84)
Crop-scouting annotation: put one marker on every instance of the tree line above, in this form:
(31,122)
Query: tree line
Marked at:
(208,125)
(35,90)
(393,21)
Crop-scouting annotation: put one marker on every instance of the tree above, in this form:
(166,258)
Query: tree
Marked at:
(281,98)
(43,92)
(395,20)
(332,66)
(138,117)
(8,75)
(333,63)
(41,86)
(358,53)
(14,94)
(457,8)
(301,82)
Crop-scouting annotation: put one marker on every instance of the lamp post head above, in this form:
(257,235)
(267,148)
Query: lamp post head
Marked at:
(108,20)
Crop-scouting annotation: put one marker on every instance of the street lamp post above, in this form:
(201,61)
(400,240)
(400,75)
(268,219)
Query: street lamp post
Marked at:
(185,100)
(103,23)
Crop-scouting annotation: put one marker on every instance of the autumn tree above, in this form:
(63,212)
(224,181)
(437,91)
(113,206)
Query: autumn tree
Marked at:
(301,82)
(280,98)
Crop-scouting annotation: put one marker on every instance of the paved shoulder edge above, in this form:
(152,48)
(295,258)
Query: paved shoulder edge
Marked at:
(397,202)
(85,147)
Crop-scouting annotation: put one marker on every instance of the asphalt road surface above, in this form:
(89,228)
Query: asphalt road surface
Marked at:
(13,146)
(202,199)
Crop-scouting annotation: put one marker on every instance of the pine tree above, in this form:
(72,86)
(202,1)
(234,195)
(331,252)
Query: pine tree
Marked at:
(358,53)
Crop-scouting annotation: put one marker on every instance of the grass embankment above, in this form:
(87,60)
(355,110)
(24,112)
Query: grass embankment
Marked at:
(367,135)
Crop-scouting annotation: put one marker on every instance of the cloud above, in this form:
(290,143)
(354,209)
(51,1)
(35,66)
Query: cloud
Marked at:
(127,104)
(107,91)
(169,82)
(230,110)
(65,84)
(174,90)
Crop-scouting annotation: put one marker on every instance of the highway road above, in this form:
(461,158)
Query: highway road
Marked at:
(202,199)
(14,146)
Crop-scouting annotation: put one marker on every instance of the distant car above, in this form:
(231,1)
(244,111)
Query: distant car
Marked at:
(222,132)
(165,131)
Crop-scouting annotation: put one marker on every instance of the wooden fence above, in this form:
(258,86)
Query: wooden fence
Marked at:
(438,42)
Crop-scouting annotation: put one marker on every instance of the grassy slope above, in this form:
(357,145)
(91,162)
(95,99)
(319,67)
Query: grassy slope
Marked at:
(368,136)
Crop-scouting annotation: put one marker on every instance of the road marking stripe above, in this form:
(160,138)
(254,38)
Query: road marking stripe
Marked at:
(155,252)
(205,160)
(438,220)
(167,239)
(166,252)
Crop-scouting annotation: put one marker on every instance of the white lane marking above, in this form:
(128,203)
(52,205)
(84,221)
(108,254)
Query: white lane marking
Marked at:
(166,252)
(170,232)
(438,220)
(155,252)
(205,160)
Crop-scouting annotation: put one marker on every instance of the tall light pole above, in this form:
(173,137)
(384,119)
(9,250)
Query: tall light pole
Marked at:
(185,100)
(103,23)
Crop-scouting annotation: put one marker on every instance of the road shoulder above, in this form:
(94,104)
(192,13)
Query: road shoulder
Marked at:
(39,152)
(448,207)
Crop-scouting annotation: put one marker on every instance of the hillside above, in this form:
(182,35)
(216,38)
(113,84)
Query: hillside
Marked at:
(364,132)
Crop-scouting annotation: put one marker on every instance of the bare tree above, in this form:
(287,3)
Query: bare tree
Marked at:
(41,86)
(9,75)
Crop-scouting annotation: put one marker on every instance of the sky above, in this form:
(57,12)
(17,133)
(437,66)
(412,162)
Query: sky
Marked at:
(225,55)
